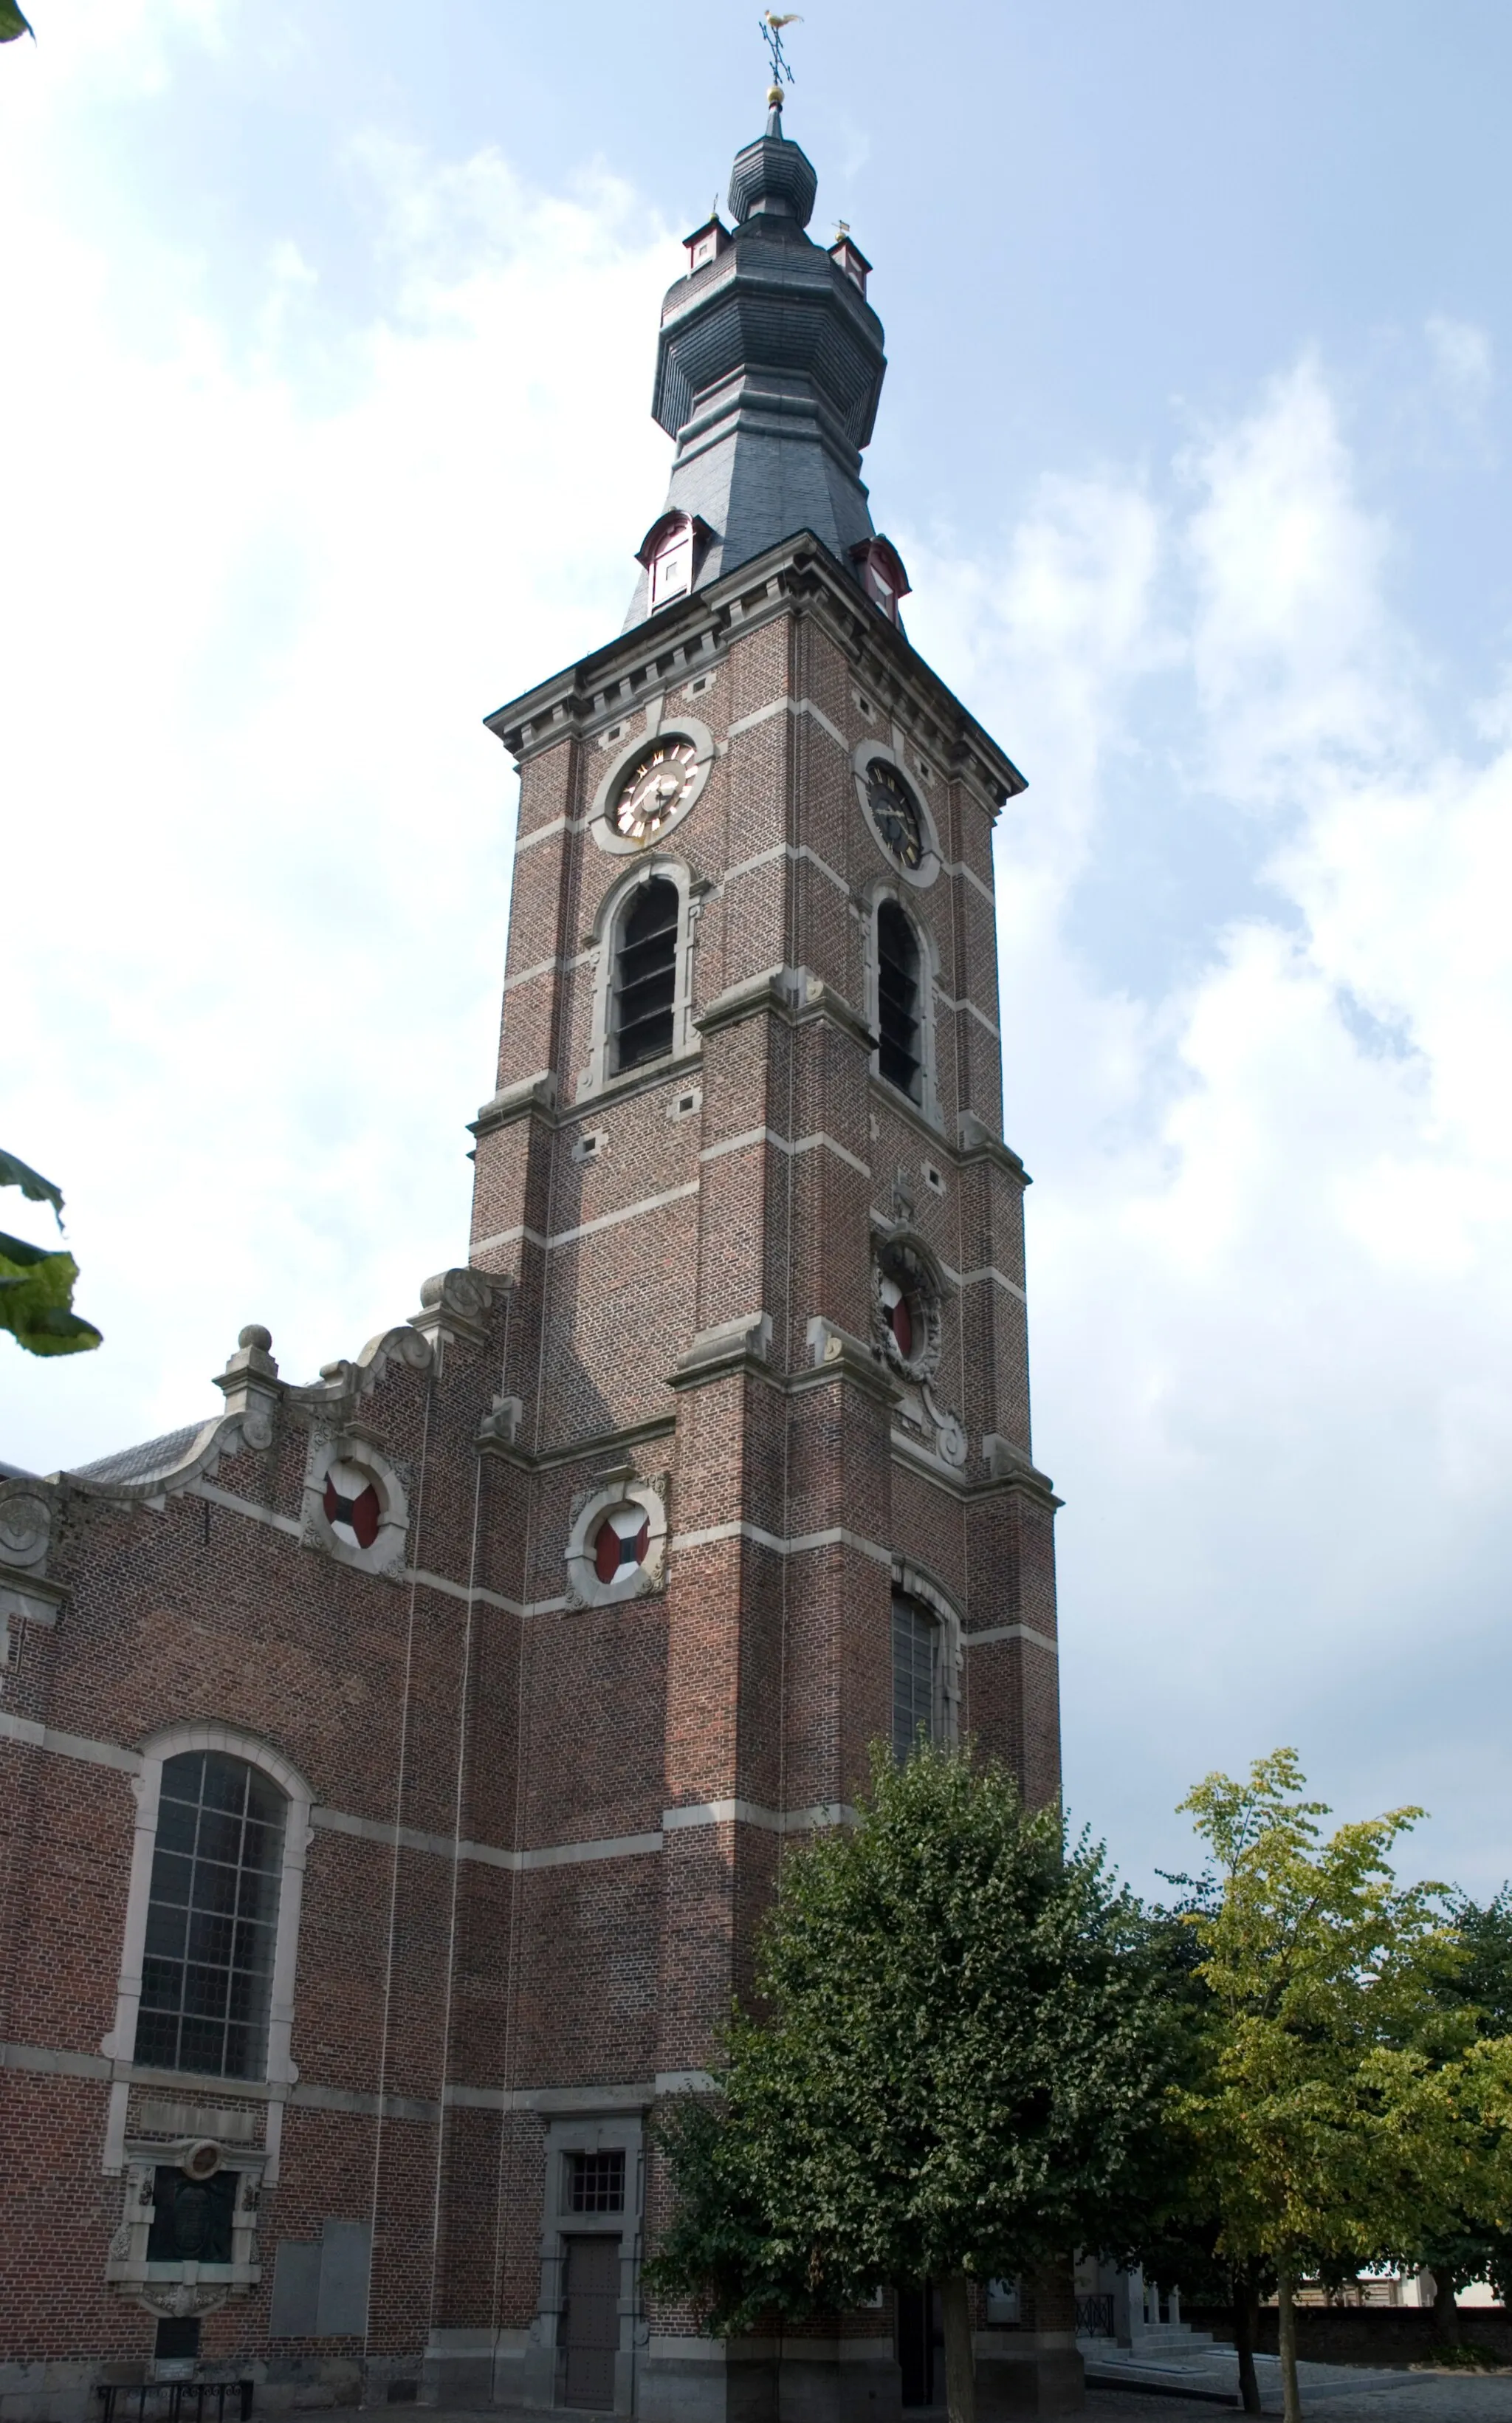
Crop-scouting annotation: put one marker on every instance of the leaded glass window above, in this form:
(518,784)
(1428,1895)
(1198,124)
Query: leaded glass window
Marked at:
(596,2182)
(915,1678)
(207,1969)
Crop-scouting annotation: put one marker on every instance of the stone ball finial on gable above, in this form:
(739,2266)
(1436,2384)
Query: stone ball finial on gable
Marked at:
(254,1335)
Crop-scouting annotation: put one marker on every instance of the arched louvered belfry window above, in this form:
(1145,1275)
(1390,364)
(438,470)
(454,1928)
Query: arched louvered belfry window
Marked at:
(917,1645)
(645,975)
(901,1053)
(213,1918)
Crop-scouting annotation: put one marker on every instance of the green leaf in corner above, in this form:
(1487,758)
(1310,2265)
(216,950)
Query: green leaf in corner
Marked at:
(36,1300)
(12,24)
(14,1172)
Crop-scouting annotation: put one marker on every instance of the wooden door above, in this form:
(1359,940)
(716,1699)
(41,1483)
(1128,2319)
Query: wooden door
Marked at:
(921,2346)
(590,2321)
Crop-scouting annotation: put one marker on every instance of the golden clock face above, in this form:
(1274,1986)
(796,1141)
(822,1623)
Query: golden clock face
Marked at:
(896,813)
(653,789)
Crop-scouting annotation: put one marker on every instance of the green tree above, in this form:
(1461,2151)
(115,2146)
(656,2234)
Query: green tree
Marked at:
(36,1286)
(1332,2124)
(12,24)
(957,2073)
(1476,1989)
(1177,2241)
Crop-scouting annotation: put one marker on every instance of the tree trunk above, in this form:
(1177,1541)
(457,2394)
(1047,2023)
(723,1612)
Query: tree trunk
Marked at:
(960,2370)
(1445,2308)
(1246,2330)
(1291,2402)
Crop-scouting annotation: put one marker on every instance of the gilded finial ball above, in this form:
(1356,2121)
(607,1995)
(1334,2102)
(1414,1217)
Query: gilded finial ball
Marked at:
(773,96)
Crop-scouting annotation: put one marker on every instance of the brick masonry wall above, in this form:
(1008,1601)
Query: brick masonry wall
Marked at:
(494,1915)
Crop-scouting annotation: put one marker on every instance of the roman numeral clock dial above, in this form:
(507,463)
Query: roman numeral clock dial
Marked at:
(654,789)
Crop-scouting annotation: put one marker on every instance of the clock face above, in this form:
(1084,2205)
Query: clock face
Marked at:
(653,789)
(896,813)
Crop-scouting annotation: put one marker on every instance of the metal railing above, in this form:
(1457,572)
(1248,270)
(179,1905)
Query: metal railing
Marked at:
(172,2399)
(1095,2318)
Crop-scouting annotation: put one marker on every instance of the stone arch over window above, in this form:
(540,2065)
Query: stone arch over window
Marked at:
(902,972)
(212,1933)
(641,953)
(926,1661)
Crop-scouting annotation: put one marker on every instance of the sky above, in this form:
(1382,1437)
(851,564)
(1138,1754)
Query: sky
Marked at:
(327,342)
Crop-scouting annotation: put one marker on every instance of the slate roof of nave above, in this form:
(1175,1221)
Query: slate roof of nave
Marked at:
(140,1463)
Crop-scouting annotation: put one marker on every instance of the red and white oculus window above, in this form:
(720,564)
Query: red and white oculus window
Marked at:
(905,1317)
(620,1543)
(352,1507)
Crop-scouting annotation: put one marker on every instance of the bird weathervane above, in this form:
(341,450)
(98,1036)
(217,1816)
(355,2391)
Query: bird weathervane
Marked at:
(771,25)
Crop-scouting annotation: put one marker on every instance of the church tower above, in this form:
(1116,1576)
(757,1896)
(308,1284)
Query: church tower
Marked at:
(395,1766)
(765,1405)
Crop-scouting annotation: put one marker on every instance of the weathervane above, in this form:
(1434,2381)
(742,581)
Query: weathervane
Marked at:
(771,27)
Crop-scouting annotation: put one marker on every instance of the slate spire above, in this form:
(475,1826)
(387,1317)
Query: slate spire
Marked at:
(768,369)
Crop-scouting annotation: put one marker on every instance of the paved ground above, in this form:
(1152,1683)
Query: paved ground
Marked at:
(1337,2394)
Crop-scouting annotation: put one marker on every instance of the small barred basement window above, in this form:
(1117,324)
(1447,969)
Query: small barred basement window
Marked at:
(915,1652)
(207,1969)
(177,2336)
(645,976)
(899,1057)
(596,2182)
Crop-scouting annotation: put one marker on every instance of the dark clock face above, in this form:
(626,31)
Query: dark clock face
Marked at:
(653,789)
(896,813)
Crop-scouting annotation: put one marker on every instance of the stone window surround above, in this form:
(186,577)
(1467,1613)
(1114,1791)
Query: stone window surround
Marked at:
(885,887)
(119,2044)
(602,946)
(865,755)
(912,1582)
(185,2288)
(584,1588)
(675,727)
(589,2135)
(352,1445)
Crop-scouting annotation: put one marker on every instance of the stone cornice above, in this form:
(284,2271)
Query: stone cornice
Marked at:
(496,1442)
(978,1143)
(680,639)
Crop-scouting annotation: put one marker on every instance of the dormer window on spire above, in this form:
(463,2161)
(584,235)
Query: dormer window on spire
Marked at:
(849,259)
(879,568)
(670,553)
(706,243)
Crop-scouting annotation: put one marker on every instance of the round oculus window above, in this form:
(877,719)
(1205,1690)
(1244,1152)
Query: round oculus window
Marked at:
(620,1543)
(653,789)
(895,813)
(353,1508)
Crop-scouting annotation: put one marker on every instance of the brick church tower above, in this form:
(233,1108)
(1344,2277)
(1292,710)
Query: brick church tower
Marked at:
(394,1769)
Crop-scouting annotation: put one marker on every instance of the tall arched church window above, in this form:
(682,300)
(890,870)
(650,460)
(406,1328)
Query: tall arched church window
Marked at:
(213,1918)
(645,974)
(917,1675)
(900,1055)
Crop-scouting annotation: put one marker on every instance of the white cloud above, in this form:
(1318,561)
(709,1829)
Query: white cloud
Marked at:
(1463,362)
(1270,1282)
(254,610)
(264,578)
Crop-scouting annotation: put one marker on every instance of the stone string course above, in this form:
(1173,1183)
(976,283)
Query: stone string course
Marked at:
(451,2013)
